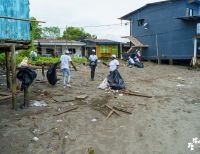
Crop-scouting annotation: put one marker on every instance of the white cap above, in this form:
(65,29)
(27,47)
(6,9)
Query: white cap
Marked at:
(93,50)
(67,51)
(113,56)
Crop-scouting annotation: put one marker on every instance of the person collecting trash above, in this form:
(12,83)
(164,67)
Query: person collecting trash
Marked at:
(33,55)
(93,63)
(115,80)
(131,61)
(65,61)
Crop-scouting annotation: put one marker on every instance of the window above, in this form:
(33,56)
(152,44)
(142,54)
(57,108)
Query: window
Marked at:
(140,22)
(103,49)
(189,12)
(72,50)
(114,49)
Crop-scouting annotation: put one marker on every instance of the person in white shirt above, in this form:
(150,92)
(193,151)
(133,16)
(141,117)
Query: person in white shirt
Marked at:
(33,55)
(114,63)
(131,61)
(93,63)
(65,67)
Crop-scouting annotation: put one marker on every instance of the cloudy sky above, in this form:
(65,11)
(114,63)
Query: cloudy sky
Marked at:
(86,13)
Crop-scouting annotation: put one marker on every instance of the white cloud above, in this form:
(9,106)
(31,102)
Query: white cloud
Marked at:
(86,13)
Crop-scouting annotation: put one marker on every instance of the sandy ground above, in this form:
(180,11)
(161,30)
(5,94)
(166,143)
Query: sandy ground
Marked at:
(163,124)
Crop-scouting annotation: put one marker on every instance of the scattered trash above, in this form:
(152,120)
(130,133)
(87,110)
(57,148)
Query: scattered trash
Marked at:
(36,131)
(180,78)
(59,120)
(38,103)
(35,139)
(94,120)
(66,137)
(104,84)
(121,94)
(180,85)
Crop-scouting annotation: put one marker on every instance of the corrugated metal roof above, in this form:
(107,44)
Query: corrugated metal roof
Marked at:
(58,42)
(135,42)
(100,41)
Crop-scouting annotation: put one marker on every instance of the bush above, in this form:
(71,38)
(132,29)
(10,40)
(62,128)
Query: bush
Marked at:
(40,60)
(2,57)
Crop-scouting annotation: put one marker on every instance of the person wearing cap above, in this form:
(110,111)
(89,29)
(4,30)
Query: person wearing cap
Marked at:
(114,63)
(65,68)
(93,63)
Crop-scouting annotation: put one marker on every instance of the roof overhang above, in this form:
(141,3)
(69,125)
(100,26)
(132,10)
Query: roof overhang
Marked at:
(189,18)
(136,43)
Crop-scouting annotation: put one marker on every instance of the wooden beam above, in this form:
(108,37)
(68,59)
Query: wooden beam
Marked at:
(8,78)
(13,70)
(21,19)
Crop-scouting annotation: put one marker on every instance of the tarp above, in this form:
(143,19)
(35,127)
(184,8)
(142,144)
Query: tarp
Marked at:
(26,76)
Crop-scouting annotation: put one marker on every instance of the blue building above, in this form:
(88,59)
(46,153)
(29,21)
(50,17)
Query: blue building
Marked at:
(168,29)
(14,20)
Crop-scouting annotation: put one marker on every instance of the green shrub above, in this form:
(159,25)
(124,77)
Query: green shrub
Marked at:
(2,57)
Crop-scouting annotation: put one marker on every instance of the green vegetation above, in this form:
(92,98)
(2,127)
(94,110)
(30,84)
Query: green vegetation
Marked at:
(75,33)
(41,60)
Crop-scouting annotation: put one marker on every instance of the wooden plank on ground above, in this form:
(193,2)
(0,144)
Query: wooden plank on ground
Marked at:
(67,110)
(122,109)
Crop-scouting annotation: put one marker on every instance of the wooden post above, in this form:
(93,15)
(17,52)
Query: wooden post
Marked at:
(8,78)
(13,70)
(43,74)
(157,50)
(170,61)
(26,98)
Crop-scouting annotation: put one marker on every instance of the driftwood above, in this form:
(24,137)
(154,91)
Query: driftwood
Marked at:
(4,94)
(121,109)
(69,109)
(46,131)
(133,93)
(111,108)
(5,97)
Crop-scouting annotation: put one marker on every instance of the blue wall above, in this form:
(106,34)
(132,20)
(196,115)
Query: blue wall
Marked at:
(174,36)
(14,29)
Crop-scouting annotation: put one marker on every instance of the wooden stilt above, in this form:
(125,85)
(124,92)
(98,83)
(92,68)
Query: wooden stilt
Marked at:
(170,61)
(8,78)
(13,70)
(43,74)
(26,98)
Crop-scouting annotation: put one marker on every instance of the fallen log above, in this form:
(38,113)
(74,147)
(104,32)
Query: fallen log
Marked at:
(68,110)
(122,110)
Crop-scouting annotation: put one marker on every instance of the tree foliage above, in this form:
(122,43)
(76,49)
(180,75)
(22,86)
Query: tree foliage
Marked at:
(50,32)
(75,33)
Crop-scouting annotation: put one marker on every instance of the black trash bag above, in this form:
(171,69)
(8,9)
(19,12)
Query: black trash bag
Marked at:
(139,64)
(51,74)
(26,76)
(115,80)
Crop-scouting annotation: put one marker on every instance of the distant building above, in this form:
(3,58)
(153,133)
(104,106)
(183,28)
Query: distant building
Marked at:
(166,29)
(104,48)
(56,47)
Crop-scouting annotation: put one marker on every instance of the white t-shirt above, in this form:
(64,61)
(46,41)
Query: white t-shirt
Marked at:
(93,58)
(113,64)
(131,61)
(65,59)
